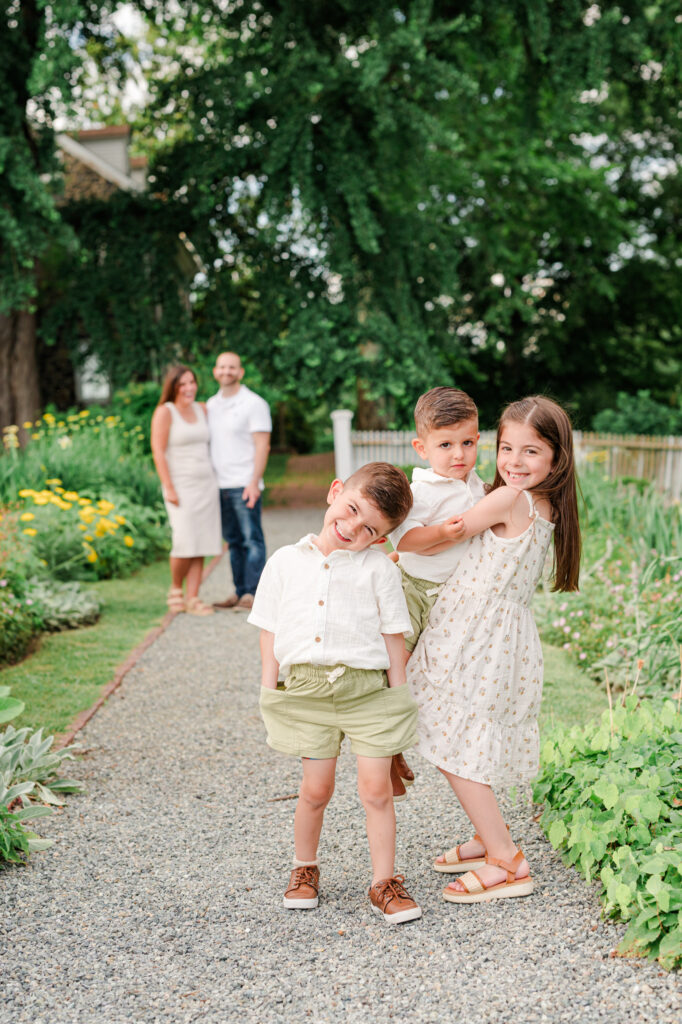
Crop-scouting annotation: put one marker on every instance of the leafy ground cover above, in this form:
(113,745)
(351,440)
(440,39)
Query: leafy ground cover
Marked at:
(30,783)
(613,807)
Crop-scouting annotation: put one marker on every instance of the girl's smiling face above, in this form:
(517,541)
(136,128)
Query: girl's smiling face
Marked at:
(524,460)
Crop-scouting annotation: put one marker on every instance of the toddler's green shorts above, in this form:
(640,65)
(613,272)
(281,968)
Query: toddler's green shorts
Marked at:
(420,596)
(320,704)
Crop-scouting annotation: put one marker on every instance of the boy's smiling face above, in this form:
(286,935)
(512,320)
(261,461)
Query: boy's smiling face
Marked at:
(352,522)
(450,451)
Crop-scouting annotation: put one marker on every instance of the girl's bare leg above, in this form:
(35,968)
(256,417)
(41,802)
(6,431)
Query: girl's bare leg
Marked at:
(317,786)
(374,787)
(479,803)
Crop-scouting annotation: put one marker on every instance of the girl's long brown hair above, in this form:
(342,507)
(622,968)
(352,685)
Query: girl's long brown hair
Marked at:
(169,389)
(551,423)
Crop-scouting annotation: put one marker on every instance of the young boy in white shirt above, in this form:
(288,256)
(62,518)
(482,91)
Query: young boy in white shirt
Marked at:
(446,420)
(333,620)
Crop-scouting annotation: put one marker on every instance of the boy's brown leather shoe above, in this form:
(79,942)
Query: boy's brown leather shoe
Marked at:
(392,901)
(304,886)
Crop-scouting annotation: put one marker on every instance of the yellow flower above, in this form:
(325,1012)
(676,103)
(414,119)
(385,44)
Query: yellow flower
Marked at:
(120,520)
(26,517)
(84,412)
(128,541)
(88,536)
(30,532)
(26,492)
(27,425)
(40,499)
(82,526)
(70,496)
(84,501)
(91,556)
(35,437)
(105,506)
(54,480)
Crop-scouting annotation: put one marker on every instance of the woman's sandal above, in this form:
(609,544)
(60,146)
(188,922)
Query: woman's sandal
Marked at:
(455,862)
(175,600)
(197,607)
(477,892)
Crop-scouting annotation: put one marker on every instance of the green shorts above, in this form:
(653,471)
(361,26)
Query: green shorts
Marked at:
(420,596)
(320,704)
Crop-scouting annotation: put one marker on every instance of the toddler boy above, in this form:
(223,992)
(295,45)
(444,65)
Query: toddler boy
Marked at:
(446,420)
(333,619)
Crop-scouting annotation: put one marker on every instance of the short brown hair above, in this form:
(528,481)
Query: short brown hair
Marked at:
(171,382)
(386,487)
(441,407)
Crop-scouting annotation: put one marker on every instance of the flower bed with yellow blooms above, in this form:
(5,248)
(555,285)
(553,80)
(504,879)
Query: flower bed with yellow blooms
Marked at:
(79,501)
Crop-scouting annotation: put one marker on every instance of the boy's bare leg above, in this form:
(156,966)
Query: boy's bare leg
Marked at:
(374,787)
(479,803)
(317,786)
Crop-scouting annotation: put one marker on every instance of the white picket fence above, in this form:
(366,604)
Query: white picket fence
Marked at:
(658,459)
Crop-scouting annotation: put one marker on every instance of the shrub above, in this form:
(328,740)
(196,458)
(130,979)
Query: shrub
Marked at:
(639,414)
(612,807)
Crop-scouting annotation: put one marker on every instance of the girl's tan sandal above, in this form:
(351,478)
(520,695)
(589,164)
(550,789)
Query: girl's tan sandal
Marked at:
(477,892)
(455,862)
(196,607)
(175,600)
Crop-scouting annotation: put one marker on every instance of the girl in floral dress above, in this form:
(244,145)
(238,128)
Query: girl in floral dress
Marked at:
(477,671)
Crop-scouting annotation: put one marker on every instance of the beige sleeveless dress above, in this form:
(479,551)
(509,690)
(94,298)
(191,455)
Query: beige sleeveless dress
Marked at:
(476,672)
(195,522)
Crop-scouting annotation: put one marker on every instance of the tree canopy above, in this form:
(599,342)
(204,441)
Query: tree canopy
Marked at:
(483,194)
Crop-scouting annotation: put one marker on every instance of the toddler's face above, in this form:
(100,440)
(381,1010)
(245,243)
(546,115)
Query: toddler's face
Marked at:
(352,522)
(450,451)
(524,460)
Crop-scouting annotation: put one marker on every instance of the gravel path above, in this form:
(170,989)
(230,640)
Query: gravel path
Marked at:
(161,899)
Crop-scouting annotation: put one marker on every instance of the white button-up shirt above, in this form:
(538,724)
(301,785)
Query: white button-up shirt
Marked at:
(232,423)
(330,609)
(436,498)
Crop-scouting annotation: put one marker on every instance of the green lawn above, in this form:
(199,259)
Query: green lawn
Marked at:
(67,672)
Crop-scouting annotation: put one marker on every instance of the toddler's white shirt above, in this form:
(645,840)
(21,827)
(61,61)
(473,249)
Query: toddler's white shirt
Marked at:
(330,609)
(232,422)
(435,499)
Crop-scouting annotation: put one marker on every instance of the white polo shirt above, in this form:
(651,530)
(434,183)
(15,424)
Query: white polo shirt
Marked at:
(232,422)
(436,498)
(330,609)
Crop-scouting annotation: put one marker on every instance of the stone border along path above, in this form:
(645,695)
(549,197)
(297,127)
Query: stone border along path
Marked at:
(160,901)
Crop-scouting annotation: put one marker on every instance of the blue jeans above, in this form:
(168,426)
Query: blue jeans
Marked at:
(243,532)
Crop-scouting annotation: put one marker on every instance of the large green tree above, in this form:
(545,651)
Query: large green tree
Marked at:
(421,192)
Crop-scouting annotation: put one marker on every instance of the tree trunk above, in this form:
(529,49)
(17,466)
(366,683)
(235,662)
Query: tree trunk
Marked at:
(19,383)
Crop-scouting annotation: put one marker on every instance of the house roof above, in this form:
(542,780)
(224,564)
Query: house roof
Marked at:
(83,185)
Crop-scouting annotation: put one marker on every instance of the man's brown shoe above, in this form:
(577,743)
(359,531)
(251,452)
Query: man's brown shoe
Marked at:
(392,901)
(245,602)
(229,602)
(304,886)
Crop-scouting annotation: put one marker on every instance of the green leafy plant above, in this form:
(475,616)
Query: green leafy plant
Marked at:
(29,771)
(613,808)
